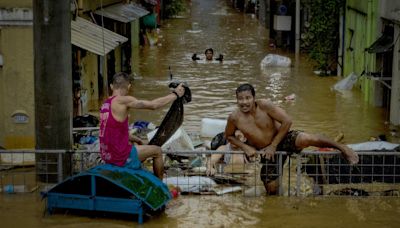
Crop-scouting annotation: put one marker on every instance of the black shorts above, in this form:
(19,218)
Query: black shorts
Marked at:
(269,170)
(288,143)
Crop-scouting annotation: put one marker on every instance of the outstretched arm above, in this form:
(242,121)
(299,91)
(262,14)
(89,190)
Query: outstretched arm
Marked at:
(132,102)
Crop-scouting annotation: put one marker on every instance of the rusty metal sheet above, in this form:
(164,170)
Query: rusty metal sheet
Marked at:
(94,38)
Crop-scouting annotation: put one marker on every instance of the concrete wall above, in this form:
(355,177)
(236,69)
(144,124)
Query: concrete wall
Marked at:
(18,4)
(2,98)
(90,82)
(16,81)
(17,91)
(395,93)
(17,78)
(391,10)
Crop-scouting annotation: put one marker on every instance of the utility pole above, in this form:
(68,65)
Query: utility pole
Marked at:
(297,41)
(53,85)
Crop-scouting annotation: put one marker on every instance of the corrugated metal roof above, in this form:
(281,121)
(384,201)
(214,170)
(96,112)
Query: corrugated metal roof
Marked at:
(94,38)
(123,12)
(16,16)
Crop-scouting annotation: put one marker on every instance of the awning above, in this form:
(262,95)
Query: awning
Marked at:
(382,44)
(94,38)
(123,12)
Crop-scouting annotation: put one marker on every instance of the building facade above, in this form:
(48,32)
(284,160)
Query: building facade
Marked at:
(103,37)
(370,50)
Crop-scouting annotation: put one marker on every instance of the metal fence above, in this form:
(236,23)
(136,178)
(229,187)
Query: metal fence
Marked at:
(309,173)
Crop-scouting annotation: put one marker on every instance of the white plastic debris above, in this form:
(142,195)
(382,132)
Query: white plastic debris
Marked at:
(191,184)
(211,127)
(374,146)
(346,83)
(290,97)
(227,190)
(179,141)
(273,60)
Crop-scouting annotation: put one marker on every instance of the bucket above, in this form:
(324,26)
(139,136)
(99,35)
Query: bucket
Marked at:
(211,127)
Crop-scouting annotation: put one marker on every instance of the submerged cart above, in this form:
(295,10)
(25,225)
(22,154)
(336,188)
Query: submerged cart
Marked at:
(110,188)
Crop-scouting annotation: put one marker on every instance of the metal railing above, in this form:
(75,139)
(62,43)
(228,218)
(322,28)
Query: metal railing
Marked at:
(305,174)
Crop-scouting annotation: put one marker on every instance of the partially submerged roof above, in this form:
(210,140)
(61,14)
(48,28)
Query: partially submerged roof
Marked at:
(94,38)
(123,12)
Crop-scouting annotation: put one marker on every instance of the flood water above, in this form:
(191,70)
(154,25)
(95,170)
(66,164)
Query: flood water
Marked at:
(244,43)
(316,109)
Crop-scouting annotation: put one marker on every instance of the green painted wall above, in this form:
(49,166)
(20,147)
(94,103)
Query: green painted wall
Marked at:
(360,32)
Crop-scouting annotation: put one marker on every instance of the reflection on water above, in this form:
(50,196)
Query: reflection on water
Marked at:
(315,108)
(220,211)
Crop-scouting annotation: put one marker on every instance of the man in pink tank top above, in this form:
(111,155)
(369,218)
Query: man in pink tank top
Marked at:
(115,146)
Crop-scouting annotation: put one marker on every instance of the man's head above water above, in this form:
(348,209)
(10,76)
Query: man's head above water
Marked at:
(209,53)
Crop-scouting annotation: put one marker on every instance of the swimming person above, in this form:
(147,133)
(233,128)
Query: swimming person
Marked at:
(209,54)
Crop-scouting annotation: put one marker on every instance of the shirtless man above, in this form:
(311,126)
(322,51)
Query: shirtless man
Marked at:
(115,142)
(267,128)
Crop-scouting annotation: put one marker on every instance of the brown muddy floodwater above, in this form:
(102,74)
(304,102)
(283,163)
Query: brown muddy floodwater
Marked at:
(316,109)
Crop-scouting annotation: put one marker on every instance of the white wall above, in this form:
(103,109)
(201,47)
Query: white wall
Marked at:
(390,9)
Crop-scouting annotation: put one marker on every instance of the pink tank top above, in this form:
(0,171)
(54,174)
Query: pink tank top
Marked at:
(114,136)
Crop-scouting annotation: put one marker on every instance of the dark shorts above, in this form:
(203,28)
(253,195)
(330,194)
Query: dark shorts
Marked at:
(269,170)
(288,143)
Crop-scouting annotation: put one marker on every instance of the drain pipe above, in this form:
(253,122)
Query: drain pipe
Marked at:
(340,59)
(297,42)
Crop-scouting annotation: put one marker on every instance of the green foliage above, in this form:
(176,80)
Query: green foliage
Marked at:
(322,35)
(173,7)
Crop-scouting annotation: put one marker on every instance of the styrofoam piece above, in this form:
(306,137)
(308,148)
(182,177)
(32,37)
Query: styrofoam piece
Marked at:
(228,190)
(374,146)
(211,127)
(192,183)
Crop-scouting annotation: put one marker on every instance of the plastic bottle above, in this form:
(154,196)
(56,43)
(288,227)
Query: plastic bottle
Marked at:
(8,188)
